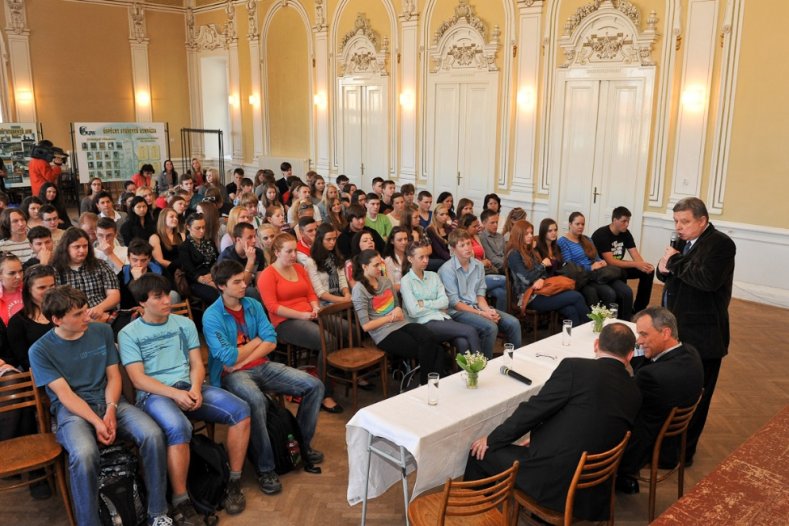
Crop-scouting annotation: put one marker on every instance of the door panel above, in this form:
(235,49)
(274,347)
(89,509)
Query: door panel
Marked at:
(445,135)
(374,144)
(351,132)
(477,142)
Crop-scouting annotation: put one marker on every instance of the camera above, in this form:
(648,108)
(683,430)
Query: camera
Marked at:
(46,151)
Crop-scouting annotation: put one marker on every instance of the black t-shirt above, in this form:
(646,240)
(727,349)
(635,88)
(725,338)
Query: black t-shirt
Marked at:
(606,241)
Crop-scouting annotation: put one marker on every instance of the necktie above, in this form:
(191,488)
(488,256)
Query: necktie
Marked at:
(686,248)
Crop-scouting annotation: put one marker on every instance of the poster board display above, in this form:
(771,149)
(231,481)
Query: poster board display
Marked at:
(16,142)
(114,151)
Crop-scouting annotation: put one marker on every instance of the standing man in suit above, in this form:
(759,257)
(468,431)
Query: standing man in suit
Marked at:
(586,405)
(698,275)
(669,375)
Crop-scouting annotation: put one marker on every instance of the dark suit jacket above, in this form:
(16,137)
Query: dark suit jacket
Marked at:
(674,380)
(586,405)
(698,291)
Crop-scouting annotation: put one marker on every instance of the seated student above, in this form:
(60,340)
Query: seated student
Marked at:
(408,190)
(51,220)
(107,209)
(464,280)
(377,221)
(140,224)
(438,233)
(30,324)
(77,266)
(306,230)
(107,247)
(611,242)
(11,274)
(31,206)
(13,231)
(495,282)
(361,241)
(238,214)
(275,215)
(88,222)
(325,267)
(527,270)
(193,197)
(395,254)
(247,187)
(161,353)
(140,263)
(196,256)
(387,197)
(245,252)
(425,203)
(425,301)
(399,210)
(356,215)
(50,195)
(379,314)
(233,188)
(492,242)
(239,339)
(301,192)
(77,361)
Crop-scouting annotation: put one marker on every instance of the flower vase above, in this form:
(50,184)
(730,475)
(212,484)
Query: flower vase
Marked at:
(598,326)
(472,380)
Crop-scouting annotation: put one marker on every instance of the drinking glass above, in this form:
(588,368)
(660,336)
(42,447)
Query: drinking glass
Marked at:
(432,389)
(567,332)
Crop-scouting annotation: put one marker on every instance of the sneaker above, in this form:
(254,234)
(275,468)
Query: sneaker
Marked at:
(314,456)
(184,514)
(269,483)
(234,502)
(161,520)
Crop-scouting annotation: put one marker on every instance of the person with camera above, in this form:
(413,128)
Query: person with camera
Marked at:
(44,165)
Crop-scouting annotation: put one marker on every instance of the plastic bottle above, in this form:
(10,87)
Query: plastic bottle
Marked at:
(294,451)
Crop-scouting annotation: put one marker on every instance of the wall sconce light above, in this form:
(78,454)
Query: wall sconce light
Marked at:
(694,98)
(233,100)
(143,98)
(319,100)
(24,96)
(527,98)
(254,100)
(407,100)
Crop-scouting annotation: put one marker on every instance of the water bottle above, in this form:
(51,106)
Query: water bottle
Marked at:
(294,451)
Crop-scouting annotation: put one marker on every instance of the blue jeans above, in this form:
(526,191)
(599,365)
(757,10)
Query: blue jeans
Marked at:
(250,384)
(497,289)
(570,303)
(78,438)
(218,406)
(464,337)
(488,330)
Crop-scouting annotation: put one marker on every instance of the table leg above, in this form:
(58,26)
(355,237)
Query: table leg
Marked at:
(404,476)
(367,476)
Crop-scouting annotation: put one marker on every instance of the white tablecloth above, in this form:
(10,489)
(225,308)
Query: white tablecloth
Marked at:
(439,437)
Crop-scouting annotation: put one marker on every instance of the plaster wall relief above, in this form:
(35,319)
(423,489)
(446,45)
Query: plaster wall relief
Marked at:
(362,51)
(461,42)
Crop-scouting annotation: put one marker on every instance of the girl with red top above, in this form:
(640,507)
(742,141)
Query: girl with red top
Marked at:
(10,286)
(292,304)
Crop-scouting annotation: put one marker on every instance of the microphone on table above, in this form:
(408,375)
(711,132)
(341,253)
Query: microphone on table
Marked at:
(506,371)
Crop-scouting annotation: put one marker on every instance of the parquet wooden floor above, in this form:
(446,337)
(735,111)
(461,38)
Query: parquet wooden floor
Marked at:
(753,386)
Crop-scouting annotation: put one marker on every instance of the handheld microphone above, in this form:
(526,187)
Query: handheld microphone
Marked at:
(674,243)
(506,371)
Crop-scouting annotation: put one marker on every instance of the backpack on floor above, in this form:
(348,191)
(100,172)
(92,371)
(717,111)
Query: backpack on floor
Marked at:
(280,423)
(209,474)
(121,492)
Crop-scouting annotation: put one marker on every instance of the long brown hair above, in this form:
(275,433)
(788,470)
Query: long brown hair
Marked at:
(586,243)
(548,249)
(516,214)
(518,232)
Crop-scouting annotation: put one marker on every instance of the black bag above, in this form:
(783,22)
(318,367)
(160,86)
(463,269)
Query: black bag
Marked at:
(280,423)
(607,274)
(576,272)
(209,474)
(121,492)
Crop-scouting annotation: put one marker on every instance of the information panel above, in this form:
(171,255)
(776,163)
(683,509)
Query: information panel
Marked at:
(16,142)
(114,151)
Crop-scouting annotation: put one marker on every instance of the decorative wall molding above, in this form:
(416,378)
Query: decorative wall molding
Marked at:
(461,43)
(138,45)
(138,32)
(16,17)
(409,10)
(18,36)
(231,35)
(359,50)
(253,39)
(252,17)
(731,35)
(603,33)
(320,16)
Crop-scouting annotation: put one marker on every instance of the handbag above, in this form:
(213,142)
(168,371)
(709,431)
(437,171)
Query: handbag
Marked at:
(182,284)
(607,274)
(554,285)
(577,273)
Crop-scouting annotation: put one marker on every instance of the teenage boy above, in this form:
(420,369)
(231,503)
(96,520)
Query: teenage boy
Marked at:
(187,183)
(307,230)
(88,222)
(161,353)
(387,192)
(342,182)
(356,215)
(464,280)
(408,192)
(282,183)
(233,188)
(239,338)
(244,251)
(246,187)
(106,208)
(425,203)
(50,219)
(140,263)
(378,222)
(612,241)
(492,241)
(378,185)
(41,241)
(78,363)
(107,247)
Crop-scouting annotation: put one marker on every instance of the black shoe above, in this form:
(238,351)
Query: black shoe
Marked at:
(184,514)
(269,483)
(337,409)
(40,490)
(626,485)
(313,456)
(688,462)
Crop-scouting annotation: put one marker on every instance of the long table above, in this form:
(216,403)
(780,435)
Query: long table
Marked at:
(391,438)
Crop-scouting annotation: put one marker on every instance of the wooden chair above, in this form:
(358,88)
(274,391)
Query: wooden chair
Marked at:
(341,349)
(676,424)
(592,470)
(476,502)
(182,309)
(529,316)
(31,452)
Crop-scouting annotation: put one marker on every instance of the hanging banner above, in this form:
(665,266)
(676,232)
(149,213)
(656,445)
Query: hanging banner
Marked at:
(16,142)
(114,151)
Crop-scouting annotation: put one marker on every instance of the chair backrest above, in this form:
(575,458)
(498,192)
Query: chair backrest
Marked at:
(339,327)
(479,496)
(182,309)
(594,470)
(676,423)
(17,391)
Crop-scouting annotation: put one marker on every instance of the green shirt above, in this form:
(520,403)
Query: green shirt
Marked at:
(382,225)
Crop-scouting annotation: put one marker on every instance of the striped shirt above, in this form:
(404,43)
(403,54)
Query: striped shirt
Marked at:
(21,249)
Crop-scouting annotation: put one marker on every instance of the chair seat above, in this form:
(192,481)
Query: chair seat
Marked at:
(355,358)
(425,509)
(27,452)
(546,514)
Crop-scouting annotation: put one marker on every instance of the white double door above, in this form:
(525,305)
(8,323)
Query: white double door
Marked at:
(600,146)
(363,152)
(460,138)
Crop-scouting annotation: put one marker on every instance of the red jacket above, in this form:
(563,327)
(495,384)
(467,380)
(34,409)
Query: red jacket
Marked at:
(41,172)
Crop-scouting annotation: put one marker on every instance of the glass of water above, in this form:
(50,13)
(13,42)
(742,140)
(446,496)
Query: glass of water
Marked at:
(432,389)
(509,353)
(614,308)
(567,332)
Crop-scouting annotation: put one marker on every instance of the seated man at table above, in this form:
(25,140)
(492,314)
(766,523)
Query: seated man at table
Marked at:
(669,375)
(586,405)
